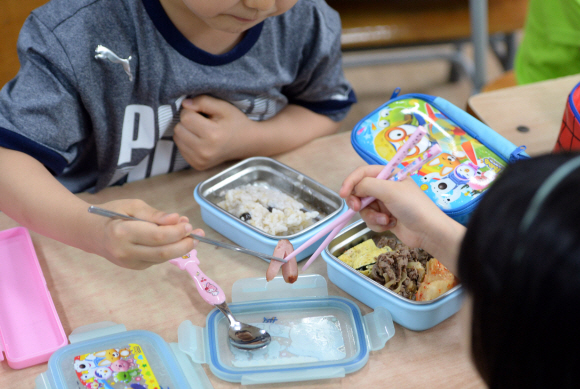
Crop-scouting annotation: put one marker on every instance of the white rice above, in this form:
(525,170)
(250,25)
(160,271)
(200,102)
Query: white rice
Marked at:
(285,218)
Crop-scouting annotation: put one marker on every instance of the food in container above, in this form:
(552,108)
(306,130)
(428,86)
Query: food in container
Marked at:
(363,256)
(414,315)
(268,209)
(410,272)
(263,172)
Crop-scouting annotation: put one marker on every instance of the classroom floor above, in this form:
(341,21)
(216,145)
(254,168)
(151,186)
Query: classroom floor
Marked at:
(373,85)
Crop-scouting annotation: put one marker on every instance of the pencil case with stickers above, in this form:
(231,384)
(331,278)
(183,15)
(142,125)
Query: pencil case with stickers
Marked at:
(472,157)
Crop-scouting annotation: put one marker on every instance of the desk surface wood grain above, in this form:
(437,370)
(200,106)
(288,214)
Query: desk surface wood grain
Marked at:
(538,106)
(86,288)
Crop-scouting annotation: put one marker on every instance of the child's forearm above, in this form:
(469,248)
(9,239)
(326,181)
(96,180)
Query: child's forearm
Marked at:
(30,195)
(444,241)
(292,127)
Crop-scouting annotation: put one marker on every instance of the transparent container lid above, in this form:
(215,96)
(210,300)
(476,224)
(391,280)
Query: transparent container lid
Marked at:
(313,334)
(105,355)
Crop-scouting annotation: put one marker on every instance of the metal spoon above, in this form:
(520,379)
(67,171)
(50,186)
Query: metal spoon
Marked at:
(241,335)
(115,215)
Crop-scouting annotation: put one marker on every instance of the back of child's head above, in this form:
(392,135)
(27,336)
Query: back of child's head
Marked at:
(524,277)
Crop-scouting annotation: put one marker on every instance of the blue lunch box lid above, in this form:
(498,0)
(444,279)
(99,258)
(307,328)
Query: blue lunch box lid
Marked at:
(473,154)
(314,336)
(106,355)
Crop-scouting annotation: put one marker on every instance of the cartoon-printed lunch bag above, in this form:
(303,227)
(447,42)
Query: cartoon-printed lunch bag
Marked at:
(472,153)
(569,137)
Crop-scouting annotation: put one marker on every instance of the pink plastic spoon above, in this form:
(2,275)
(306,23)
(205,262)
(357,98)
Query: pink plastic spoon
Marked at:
(242,335)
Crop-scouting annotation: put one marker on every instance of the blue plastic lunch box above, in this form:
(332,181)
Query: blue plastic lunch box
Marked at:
(414,315)
(473,155)
(314,336)
(107,356)
(270,173)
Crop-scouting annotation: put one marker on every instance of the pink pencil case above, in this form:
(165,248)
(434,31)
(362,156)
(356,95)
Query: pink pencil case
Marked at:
(30,329)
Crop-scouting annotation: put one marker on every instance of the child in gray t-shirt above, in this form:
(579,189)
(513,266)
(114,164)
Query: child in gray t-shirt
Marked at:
(112,91)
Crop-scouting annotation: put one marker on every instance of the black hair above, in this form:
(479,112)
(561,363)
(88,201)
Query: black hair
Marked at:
(525,329)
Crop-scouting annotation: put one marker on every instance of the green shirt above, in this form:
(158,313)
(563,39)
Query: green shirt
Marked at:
(551,44)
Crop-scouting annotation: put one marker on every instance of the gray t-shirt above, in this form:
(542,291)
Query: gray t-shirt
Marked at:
(96,122)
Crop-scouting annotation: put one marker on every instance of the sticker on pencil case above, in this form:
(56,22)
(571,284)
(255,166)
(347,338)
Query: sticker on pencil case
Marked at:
(464,169)
(116,368)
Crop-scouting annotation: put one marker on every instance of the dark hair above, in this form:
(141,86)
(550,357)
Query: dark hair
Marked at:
(526,308)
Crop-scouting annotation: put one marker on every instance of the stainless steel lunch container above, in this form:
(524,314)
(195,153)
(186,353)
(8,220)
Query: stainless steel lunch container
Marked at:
(273,174)
(415,315)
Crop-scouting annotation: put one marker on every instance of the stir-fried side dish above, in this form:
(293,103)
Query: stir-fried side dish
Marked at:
(409,272)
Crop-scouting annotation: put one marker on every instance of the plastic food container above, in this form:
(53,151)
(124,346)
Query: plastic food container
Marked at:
(30,329)
(269,173)
(107,356)
(314,336)
(414,315)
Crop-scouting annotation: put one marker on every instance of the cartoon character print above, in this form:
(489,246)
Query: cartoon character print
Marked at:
(482,179)
(211,289)
(84,365)
(383,121)
(457,174)
(127,376)
(387,118)
(103,373)
(121,365)
(106,357)
(445,188)
(439,167)
(87,375)
(95,369)
(389,140)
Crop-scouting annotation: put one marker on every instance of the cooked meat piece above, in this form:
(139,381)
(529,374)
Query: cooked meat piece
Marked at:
(393,243)
(420,255)
(390,266)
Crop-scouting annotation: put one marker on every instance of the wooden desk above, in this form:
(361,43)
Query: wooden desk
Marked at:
(538,106)
(88,289)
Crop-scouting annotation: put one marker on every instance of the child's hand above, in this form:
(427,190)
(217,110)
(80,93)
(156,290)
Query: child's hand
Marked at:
(400,206)
(210,131)
(137,244)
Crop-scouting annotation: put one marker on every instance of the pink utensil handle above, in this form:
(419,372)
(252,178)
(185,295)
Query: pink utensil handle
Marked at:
(208,289)
(384,174)
(324,244)
(410,169)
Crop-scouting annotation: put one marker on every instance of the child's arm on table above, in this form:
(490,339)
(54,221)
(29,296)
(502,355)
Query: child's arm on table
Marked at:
(212,131)
(30,195)
(403,208)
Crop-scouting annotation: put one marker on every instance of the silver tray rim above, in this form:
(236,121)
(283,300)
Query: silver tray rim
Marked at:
(261,232)
(373,282)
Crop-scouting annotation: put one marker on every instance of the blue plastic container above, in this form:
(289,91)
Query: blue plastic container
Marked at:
(273,174)
(314,336)
(106,355)
(414,315)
